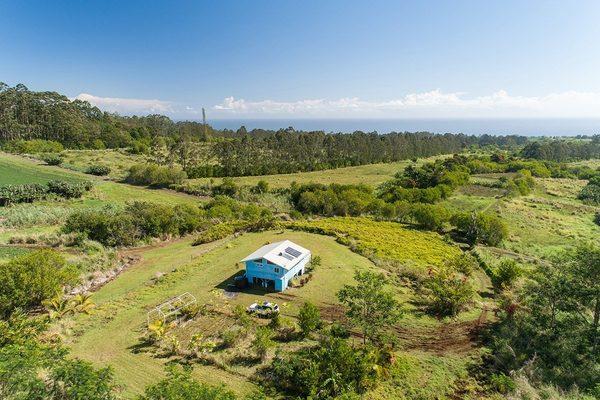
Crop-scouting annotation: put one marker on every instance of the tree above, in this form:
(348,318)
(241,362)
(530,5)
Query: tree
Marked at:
(557,322)
(78,380)
(370,306)
(179,385)
(480,228)
(32,278)
(309,318)
(447,292)
(262,342)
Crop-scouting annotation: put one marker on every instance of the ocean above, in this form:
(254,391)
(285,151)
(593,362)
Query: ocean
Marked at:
(526,127)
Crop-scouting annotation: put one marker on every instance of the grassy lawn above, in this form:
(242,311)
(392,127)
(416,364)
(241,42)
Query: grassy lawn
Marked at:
(15,170)
(203,270)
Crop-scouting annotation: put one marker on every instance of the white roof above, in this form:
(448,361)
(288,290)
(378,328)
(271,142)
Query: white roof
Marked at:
(284,254)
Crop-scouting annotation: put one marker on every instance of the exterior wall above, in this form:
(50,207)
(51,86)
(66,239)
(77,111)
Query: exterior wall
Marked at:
(264,270)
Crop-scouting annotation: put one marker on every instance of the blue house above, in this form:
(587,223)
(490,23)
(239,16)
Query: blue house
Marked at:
(273,265)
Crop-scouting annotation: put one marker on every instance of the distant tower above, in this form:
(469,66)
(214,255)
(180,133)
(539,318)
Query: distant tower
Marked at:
(204,123)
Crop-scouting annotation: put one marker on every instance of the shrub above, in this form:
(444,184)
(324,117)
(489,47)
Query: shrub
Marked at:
(309,318)
(227,188)
(179,385)
(261,187)
(480,228)
(262,342)
(26,193)
(98,170)
(590,194)
(505,274)
(155,175)
(308,373)
(34,146)
(597,218)
(68,190)
(231,336)
(446,293)
(31,192)
(52,159)
(30,279)
(463,263)
(431,217)
(107,226)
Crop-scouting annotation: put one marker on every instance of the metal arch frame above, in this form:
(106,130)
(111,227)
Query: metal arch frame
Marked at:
(171,307)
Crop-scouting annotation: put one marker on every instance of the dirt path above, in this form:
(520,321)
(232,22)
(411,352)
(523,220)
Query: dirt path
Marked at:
(458,338)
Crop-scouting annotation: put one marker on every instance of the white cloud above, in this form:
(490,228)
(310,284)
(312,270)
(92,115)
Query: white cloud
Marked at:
(128,106)
(430,104)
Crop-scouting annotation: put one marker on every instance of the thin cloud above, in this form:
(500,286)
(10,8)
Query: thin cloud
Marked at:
(128,106)
(430,104)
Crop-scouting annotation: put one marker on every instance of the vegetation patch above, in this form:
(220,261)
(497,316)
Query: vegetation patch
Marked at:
(385,241)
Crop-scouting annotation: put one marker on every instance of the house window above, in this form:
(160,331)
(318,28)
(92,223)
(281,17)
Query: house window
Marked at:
(276,269)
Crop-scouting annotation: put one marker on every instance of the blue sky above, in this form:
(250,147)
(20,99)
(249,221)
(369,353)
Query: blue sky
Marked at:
(265,59)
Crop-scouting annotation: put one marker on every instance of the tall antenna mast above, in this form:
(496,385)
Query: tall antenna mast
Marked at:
(204,123)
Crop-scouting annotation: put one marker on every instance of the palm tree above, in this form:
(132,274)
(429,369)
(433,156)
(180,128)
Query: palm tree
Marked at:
(58,307)
(83,303)
(157,330)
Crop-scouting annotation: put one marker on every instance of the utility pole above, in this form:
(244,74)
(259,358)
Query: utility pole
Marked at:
(204,124)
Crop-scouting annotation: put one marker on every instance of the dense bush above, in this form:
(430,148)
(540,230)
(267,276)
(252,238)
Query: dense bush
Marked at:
(30,192)
(52,159)
(155,175)
(591,192)
(307,373)
(505,274)
(137,221)
(555,325)
(333,199)
(30,279)
(109,226)
(98,170)
(34,146)
(428,183)
(69,190)
(597,218)
(179,385)
(480,228)
(447,292)
(27,193)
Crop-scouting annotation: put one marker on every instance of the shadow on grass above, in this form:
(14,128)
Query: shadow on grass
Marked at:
(244,360)
(228,285)
(142,346)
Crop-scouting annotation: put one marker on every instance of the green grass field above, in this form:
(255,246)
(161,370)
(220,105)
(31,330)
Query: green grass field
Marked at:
(202,271)
(110,335)
(42,217)
(370,174)
(15,170)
